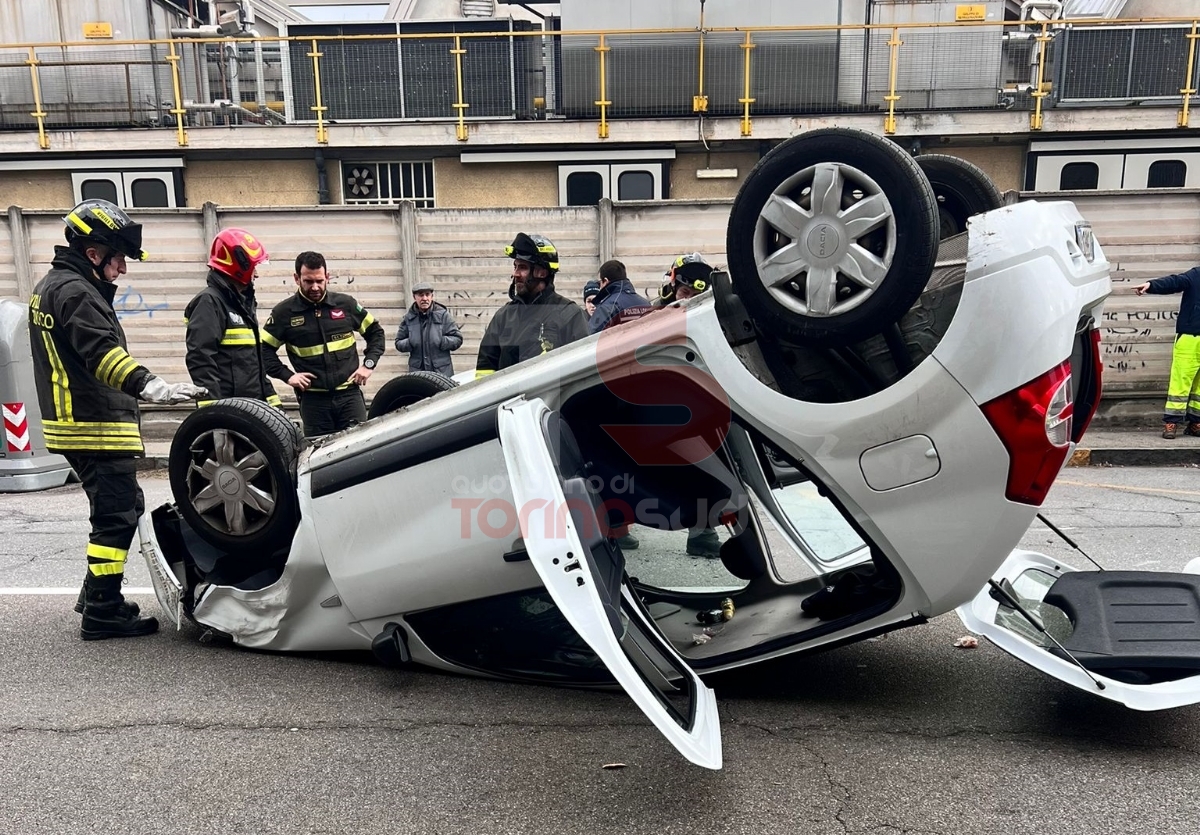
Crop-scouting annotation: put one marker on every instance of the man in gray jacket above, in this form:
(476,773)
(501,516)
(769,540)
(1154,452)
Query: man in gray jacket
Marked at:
(428,334)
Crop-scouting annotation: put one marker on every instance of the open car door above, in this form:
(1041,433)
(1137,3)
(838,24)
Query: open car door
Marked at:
(1129,636)
(584,572)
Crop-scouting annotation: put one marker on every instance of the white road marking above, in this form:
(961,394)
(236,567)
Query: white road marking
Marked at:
(71,590)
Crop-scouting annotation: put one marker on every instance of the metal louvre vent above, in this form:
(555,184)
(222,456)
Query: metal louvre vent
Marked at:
(384,183)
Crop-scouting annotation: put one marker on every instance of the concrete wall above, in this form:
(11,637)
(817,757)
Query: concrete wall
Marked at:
(686,186)
(277,182)
(1143,234)
(36,189)
(457,186)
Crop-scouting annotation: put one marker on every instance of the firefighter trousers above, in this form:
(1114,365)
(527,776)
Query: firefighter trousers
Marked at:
(115,501)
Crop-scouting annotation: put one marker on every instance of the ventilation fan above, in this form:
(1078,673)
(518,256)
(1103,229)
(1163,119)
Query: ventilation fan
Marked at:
(361,182)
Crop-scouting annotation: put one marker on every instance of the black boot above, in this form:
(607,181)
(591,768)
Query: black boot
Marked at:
(131,607)
(105,614)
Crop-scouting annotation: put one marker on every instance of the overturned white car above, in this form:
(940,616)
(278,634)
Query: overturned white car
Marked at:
(868,420)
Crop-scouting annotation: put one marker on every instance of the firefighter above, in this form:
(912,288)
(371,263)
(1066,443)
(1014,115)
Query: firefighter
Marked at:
(88,387)
(689,276)
(318,327)
(537,319)
(223,353)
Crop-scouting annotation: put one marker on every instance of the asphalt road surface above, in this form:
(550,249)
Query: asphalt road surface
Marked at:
(903,733)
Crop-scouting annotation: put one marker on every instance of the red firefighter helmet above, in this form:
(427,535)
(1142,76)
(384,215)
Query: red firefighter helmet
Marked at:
(236,253)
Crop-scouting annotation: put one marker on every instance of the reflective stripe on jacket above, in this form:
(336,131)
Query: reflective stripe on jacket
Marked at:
(85,378)
(222,343)
(320,339)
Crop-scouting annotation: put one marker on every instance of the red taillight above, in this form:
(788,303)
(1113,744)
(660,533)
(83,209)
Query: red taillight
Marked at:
(1034,424)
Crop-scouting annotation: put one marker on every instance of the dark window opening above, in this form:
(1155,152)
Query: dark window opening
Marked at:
(1167,173)
(1079,176)
(635,185)
(149,194)
(584,188)
(99,190)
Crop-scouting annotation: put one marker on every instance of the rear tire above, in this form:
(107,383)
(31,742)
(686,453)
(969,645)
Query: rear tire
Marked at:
(962,190)
(233,474)
(407,389)
(832,237)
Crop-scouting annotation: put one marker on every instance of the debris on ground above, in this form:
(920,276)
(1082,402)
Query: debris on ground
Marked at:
(967,642)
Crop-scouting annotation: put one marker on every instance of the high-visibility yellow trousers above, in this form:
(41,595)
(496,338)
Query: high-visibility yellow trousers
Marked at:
(1183,392)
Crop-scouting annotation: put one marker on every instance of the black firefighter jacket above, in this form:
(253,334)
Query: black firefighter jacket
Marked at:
(320,339)
(523,330)
(85,378)
(222,343)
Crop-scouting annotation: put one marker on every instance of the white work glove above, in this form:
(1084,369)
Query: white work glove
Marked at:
(160,391)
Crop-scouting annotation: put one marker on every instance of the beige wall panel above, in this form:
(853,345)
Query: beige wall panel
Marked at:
(8,273)
(151,297)
(255,182)
(1144,235)
(686,186)
(461,252)
(1005,164)
(650,236)
(37,189)
(488,185)
(362,248)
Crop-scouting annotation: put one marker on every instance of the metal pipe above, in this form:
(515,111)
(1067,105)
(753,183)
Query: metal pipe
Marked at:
(178,111)
(228,106)
(889,121)
(318,108)
(603,101)
(746,99)
(322,178)
(700,101)
(260,82)
(154,64)
(458,52)
(1188,89)
(39,113)
(1035,119)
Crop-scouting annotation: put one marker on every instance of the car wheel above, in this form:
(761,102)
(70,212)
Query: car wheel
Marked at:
(406,390)
(962,191)
(233,475)
(832,237)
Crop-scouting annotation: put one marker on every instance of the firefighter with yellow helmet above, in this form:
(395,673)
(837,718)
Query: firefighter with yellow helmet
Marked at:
(88,388)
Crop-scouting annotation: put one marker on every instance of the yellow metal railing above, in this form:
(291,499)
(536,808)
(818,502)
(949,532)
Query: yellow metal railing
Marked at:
(869,75)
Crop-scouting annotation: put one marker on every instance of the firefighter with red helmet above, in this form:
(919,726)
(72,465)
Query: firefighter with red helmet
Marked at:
(222,323)
(88,387)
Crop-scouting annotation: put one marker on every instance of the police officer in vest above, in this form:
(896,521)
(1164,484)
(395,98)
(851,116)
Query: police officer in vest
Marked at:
(318,327)
(223,352)
(88,387)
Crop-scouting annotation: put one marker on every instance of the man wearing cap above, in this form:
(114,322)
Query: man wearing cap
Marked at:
(538,319)
(428,333)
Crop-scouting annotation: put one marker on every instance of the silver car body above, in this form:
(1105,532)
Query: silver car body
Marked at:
(916,466)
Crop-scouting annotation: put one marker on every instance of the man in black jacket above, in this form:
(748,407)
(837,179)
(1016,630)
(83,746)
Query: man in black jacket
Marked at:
(88,387)
(538,319)
(428,333)
(318,327)
(222,323)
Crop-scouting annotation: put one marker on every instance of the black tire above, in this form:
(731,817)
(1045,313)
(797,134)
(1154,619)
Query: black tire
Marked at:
(233,475)
(406,390)
(962,191)
(862,278)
